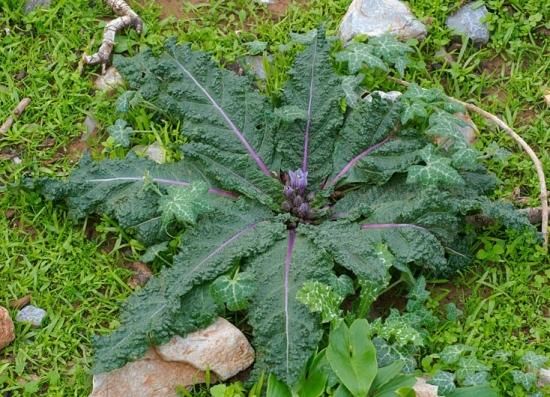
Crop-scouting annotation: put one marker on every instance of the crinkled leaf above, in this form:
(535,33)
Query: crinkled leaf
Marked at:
(229,124)
(305,38)
(208,250)
(286,333)
(317,91)
(256,47)
(121,132)
(349,86)
(235,292)
(453,313)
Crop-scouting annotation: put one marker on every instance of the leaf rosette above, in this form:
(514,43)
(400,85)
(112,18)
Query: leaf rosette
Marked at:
(274,198)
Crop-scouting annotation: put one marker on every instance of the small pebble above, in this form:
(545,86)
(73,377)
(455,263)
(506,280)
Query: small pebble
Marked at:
(31,314)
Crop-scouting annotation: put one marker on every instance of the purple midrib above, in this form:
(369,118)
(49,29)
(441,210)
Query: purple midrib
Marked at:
(288,262)
(356,159)
(255,156)
(309,108)
(163,181)
(367,226)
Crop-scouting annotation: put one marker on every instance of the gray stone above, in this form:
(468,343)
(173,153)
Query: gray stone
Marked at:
(32,5)
(376,17)
(156,152)
(7,330)
(544,377)
(468,21)
(256,65)
(109,81)
(31,314)
(423,389)
(221,347)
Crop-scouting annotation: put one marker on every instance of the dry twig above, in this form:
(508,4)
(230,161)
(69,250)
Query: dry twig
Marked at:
(20,108)
(516,137)
(127,17)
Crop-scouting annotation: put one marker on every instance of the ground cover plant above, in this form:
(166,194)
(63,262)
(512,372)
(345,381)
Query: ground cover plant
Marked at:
(41,134)
(262,207)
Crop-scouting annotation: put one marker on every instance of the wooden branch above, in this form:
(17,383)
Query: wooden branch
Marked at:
(534,215)
(19,109)
(127,17)
(516,137)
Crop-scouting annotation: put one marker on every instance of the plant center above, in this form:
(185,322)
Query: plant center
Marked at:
(297,199)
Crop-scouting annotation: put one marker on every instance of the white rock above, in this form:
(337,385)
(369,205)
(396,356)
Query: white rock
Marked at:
(221,347)
(31,314)
(156,153)
(547,98)
(32,5)
(423,389)
(7,330)
(149,376)
(469,21)
(109,81)
(544,377)
(376,17)
(390,95)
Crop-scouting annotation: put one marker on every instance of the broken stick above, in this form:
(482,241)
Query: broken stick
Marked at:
(127,17)
(20,108)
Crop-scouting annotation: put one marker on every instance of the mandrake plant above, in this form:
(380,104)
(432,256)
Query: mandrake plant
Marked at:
(315,186)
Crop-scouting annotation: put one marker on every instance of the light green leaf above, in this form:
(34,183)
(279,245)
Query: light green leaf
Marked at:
(349,86)
(256,47)
(184,203)
(153,251)
(321,298)
(414,111)
(234,292)
(121,132)
(352,357)
(304,38)
(534,361)
(277,388)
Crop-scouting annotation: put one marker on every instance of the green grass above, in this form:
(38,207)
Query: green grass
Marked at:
(80,282)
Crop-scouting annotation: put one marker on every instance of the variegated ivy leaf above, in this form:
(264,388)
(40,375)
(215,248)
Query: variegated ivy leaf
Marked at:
(395,329)
(358,55)
(468,366)
(184,203)
(534,361)
(392,51)
(451,354)
(256,47)
(370,289)
(127,101)
(414,111)
(321,298)
(121,132)
(386,354)
(290,113)
(418,291)
(153,251)
(476,378)
(501,355)
(445,381)
(445,125)
(437,171)
(465,159)
(525,379)
(304,38)
(349,86)
(343,285)
(234,292)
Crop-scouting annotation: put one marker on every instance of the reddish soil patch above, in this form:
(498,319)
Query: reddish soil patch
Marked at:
(175,7)
(496,65)
(496,94)
(526,116)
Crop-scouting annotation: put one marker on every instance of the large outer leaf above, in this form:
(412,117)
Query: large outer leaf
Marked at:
(228,121)
(370,148)
(285,332)
(121,189)
(207,251)
(316,90)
